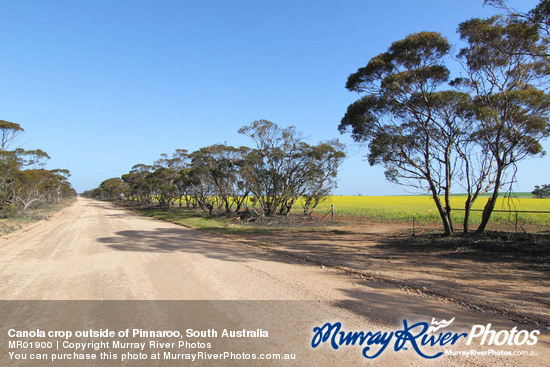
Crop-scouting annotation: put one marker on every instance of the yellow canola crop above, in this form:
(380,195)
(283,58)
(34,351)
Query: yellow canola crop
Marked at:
(403,208)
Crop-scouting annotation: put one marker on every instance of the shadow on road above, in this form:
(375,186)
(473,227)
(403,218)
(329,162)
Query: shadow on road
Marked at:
(165,240)
(464,271)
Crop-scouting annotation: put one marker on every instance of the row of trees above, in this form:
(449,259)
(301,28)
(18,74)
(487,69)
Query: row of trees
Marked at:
(23,179)
(432,132)
(272,176)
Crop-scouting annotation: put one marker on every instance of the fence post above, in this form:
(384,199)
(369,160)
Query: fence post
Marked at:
(516,230)
(332,212)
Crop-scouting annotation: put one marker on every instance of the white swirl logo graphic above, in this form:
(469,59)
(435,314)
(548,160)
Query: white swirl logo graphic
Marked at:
(439,325)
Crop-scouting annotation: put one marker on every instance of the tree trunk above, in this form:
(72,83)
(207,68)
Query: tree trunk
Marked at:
(448,188)
(467,211)
(487,211)
(445,217)
(490,206)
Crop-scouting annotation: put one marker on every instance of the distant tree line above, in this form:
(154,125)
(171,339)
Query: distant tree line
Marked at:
(432,132)
(23,180)
(541,192)
(269,179)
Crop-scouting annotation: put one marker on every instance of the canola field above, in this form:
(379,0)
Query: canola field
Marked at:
(403,208)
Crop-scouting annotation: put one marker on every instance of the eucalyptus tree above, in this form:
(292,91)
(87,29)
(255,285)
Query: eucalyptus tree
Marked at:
(31,185)
(139,183)
(539,17)
(505,75)
(19,185)
(8,133)
(172,181)
(201,188)
(273,163)
(58,185)
(410,123)
(541,192)
(428,137)
(113,189)
(162,181)
(180,162)
(165,177)
(283,167)
(325,159)
(10,161)
(222,164)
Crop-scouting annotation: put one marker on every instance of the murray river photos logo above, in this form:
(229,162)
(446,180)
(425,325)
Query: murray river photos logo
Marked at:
(418,336)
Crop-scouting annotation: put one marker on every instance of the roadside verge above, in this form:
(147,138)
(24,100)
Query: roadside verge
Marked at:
(489,275)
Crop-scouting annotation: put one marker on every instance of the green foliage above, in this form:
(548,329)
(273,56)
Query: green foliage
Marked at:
(112,189)
(8,133)
(283,167)
(505,72)
(473,135)
(409,123)
(538,17)
(23,180)
(218,169)
(541,192)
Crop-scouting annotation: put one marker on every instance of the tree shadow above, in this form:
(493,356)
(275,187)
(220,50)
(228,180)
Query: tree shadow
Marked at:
(460,269)
(166,240)
(499,274)
(530,251)
(390,309)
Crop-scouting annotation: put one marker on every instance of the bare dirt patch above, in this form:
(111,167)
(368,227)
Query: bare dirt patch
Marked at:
(501,273)
(14,226)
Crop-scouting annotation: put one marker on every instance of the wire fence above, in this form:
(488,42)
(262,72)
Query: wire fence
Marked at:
(516,222)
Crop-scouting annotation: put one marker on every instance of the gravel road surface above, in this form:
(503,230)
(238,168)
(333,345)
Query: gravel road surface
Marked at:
(96,251)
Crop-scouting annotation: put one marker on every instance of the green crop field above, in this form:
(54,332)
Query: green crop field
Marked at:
(403,208)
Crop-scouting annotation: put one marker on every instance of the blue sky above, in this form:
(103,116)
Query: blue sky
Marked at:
(103,85)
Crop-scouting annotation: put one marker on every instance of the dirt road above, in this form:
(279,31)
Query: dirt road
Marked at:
(96,251)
